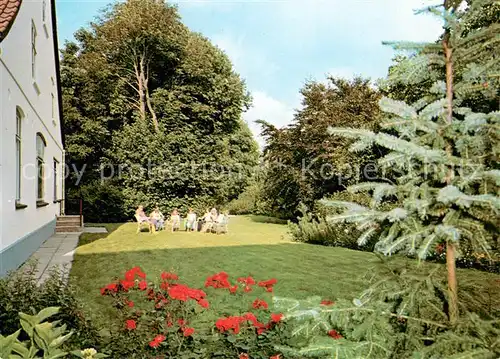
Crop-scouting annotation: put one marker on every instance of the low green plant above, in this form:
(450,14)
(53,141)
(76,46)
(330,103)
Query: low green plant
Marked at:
(315,229)
(44,339)
(20,292)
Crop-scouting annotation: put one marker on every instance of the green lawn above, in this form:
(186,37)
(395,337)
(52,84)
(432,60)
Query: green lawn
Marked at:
(252,247)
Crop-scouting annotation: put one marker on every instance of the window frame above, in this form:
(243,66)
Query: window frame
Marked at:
(55,169)
(19,160)
(40,163)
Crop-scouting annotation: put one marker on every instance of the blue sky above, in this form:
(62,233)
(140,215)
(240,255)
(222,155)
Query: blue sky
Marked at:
(276,45)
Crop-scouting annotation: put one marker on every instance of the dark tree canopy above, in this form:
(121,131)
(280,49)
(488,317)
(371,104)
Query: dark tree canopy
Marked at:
(304,164)
(157,109)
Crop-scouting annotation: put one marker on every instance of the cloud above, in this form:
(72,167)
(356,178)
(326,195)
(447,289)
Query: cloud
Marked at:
(264,107)
(249,62)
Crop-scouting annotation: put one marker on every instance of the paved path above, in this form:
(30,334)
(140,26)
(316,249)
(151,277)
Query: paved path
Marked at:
(95,230)
(58,251)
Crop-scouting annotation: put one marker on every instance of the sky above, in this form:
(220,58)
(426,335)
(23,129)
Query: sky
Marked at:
(278,45)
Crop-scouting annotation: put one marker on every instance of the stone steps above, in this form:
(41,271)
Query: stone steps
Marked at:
(68,224)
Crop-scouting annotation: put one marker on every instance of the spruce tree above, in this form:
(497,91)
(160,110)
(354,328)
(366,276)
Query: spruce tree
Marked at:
(446,155)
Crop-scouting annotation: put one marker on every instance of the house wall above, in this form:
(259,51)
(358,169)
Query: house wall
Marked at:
(23,230)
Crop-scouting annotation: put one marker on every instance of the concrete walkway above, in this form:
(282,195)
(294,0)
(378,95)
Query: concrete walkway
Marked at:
(58,251)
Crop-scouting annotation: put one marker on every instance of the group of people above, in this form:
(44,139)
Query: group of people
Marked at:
(211,219)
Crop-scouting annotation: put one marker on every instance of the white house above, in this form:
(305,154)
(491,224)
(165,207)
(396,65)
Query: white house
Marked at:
(31,146)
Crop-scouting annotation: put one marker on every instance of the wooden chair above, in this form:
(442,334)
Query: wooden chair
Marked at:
(140,223)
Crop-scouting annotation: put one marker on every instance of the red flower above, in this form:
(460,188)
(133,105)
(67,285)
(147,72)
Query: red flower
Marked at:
(131,324)
(277,356)
(247,281)
(127,284)
(164,285)
(143,285)
(251,318)
(260,330)
(258,303)
(233,289)
(275,318)
(267,283)
(130,304)
(243,356)
(113,287)
(334,334)
(157,341)
(169,276)
(181,322)
(203,303)
(219,280)
(183,293)
(269,289)
(247,289)
(327,302)
(229,323)
(136,271)
(188,331)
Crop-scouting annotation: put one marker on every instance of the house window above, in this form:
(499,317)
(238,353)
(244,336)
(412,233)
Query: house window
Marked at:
(19,119)
(33,49)
(56,165)
(40,151)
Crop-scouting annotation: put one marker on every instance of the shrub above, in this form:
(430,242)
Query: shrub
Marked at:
(164,318)
(19,292)
(313,228)
(43,337)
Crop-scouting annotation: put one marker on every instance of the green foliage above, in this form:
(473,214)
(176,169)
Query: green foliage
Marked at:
(317,230)
(45,339)
(446,187)
(152,115)
(19,292)
(401,315)
(303,163)
(252,200)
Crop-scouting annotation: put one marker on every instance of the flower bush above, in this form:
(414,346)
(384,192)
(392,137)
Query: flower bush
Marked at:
(162,318)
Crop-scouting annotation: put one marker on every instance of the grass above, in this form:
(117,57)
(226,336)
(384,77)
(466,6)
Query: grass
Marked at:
(251,247)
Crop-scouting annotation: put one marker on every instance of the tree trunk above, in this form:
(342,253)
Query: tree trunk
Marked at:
(138,68)
(150,107)
(450,247)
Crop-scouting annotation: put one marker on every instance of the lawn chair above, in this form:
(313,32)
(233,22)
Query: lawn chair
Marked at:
(175,223)
(222,227)
(140,223)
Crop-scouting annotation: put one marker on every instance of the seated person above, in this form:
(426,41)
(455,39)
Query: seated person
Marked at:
(221,218)
(157,216)
(213,214)
(141,215)
(176,220)
(207,221)
(191,220)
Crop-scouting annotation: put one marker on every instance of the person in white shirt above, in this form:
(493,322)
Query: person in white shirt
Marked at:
(191,220)
(175,218)
(158,217)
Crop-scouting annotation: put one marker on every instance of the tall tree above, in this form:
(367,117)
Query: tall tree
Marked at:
(156,95)
(448,154)
(304,164)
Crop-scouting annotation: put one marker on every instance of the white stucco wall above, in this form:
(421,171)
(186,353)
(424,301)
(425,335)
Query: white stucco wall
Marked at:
(18,88)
